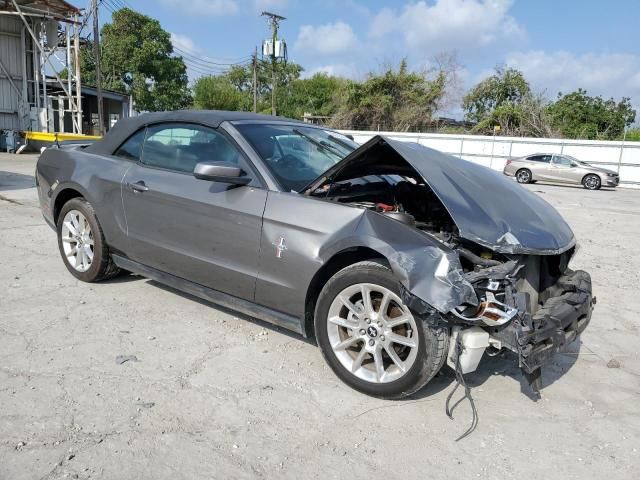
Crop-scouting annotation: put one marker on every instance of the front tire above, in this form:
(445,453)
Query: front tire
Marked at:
(81,242)
(591,182)
(370,339)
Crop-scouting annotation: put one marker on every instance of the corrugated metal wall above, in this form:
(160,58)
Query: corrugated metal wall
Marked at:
(12,109)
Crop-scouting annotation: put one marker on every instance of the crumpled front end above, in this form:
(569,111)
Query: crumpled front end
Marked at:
(474,251)
(564,315)
(532,305)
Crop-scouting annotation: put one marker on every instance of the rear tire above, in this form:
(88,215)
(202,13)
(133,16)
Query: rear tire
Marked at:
(81,242)
(591,182)
(385,353)
(524,175)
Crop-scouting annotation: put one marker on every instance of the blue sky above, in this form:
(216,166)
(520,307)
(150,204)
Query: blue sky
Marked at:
(560,45)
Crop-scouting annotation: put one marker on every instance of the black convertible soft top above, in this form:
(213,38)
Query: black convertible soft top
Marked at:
(211,118)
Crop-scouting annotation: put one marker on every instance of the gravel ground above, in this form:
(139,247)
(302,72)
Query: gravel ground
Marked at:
(217,395)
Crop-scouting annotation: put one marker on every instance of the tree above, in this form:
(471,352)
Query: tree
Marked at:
(578,115)
(498,100)
(219,93)
(633,135)
(233,90)
(286,74)
(137,58)
(398,100)
(315,95)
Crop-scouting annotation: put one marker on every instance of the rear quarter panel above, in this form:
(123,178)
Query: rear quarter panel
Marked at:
(96,177)
(515,165)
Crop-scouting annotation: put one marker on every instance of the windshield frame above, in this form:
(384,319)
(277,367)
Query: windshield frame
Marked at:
(294,125)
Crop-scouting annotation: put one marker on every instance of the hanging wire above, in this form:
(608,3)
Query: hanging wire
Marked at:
(459,349)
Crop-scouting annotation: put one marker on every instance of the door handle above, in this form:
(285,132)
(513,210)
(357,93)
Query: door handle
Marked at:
(138,186)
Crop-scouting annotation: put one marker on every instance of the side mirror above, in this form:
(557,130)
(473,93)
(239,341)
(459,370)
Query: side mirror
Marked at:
(220,172)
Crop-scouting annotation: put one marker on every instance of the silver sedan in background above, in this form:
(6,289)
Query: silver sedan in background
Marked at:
(559,169)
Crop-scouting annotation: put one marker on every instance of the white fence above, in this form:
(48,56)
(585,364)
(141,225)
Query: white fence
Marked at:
(493,152)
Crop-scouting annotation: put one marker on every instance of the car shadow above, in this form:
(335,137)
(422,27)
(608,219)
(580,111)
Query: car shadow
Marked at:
(15,181)
(124,277)
(569,185)
(233,313)
(506,364)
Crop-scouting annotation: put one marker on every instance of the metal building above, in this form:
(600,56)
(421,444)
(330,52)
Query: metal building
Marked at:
(39,39)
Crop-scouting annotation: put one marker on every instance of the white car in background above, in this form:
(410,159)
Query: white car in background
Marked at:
(559,169)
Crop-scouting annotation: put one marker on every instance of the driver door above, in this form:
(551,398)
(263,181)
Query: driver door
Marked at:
(203,231)
(560,169)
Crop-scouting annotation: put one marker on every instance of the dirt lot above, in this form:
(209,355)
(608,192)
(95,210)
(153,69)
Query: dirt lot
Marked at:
(214,395)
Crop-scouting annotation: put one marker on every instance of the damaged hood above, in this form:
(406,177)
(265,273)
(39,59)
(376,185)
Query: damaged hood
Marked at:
(487,207)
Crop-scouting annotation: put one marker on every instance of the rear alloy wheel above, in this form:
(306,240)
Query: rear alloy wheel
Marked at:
(523,175)
(370,339)
(77,241)
(82,244)
(591,182)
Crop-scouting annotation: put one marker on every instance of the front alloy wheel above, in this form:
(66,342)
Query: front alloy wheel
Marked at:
(591,182)
(372,333)
(370,338)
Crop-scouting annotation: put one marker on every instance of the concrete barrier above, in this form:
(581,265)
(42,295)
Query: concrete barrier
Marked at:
(493,152)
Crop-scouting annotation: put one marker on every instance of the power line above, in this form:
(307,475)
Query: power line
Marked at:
(207,60)
(204,62)
(121,4)
(110,5)
(204,71)
(211,68)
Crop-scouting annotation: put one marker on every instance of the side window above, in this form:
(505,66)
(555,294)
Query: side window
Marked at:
(562,161)
(131,148)
(539,158)
(180,147)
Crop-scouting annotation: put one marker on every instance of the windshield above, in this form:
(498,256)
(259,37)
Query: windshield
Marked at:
(296,154)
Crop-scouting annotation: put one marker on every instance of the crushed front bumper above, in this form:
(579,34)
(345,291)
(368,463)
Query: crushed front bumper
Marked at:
(562,317)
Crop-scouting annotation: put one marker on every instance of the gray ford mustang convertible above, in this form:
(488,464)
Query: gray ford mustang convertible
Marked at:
(397,258)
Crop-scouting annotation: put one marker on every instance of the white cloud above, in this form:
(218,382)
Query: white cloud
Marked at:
(203,7)
(448,24)
(328,39)
(335,69)
(608,74)
(184,43)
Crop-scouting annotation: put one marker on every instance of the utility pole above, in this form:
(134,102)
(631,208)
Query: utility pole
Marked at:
(255,81)
(274,20)
(76,64)
(96,53)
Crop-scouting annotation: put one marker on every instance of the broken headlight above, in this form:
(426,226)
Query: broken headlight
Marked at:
(491,311)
